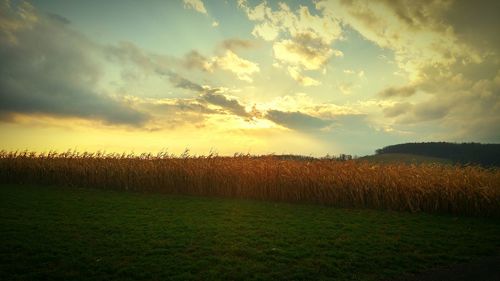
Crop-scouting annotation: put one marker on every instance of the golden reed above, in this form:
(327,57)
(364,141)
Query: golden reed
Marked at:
(431,188)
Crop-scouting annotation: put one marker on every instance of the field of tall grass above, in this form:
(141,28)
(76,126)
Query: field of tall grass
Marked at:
(432,188)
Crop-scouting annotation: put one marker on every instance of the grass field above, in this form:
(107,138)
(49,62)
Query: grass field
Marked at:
(52,233)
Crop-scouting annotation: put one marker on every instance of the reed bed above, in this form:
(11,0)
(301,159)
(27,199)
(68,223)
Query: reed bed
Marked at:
(468,190)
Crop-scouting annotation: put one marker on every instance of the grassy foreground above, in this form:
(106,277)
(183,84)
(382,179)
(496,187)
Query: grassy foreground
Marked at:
(86,234)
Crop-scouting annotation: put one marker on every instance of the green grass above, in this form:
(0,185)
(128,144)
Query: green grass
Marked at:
(50,233)
(390,158)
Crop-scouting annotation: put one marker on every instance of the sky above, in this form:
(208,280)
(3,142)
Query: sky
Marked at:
(286,77)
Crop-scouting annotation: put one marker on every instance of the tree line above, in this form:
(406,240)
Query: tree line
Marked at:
(461,153)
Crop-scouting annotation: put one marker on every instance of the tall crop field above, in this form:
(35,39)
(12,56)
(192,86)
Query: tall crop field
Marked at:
(429,188)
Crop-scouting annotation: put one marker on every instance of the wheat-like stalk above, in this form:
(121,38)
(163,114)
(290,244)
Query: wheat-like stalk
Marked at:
(451,189)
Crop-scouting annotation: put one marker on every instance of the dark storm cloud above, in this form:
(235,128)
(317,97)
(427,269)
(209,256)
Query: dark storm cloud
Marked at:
(46,68)
(297,120)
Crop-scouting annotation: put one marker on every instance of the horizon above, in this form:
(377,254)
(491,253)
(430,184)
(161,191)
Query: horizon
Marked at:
(310,78)
(187,153)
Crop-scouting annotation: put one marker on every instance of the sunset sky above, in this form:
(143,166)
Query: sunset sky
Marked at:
(301,77)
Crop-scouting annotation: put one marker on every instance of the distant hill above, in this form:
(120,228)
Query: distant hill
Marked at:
(461,153)
(388,158)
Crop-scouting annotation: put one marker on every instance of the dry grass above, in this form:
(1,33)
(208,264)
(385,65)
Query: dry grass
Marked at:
(428,188)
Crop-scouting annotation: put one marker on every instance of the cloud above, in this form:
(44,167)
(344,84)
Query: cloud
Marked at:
(195,60)
(236,44)
(430,111)
(181,105)
(266,31)
(475,23)
(150,63)
(161,65)
(404,91)
(206,94)
(14,19)
(360,74)
(243,69)
(346,88)
(232,105)
(75,93)
(397,109)
(58,18)
(174,113)
(183,83)
(302,79)
(304,51)
(196,5)
(448,50)
(457,109)
(284,20)
(304,103)
(297,120)
(300,39)
(229,61)
(42,76)
(415,31)
(128,53)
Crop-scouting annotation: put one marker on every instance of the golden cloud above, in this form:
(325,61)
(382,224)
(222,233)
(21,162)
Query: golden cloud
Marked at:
(302,79)
(301,40)
(243,69)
